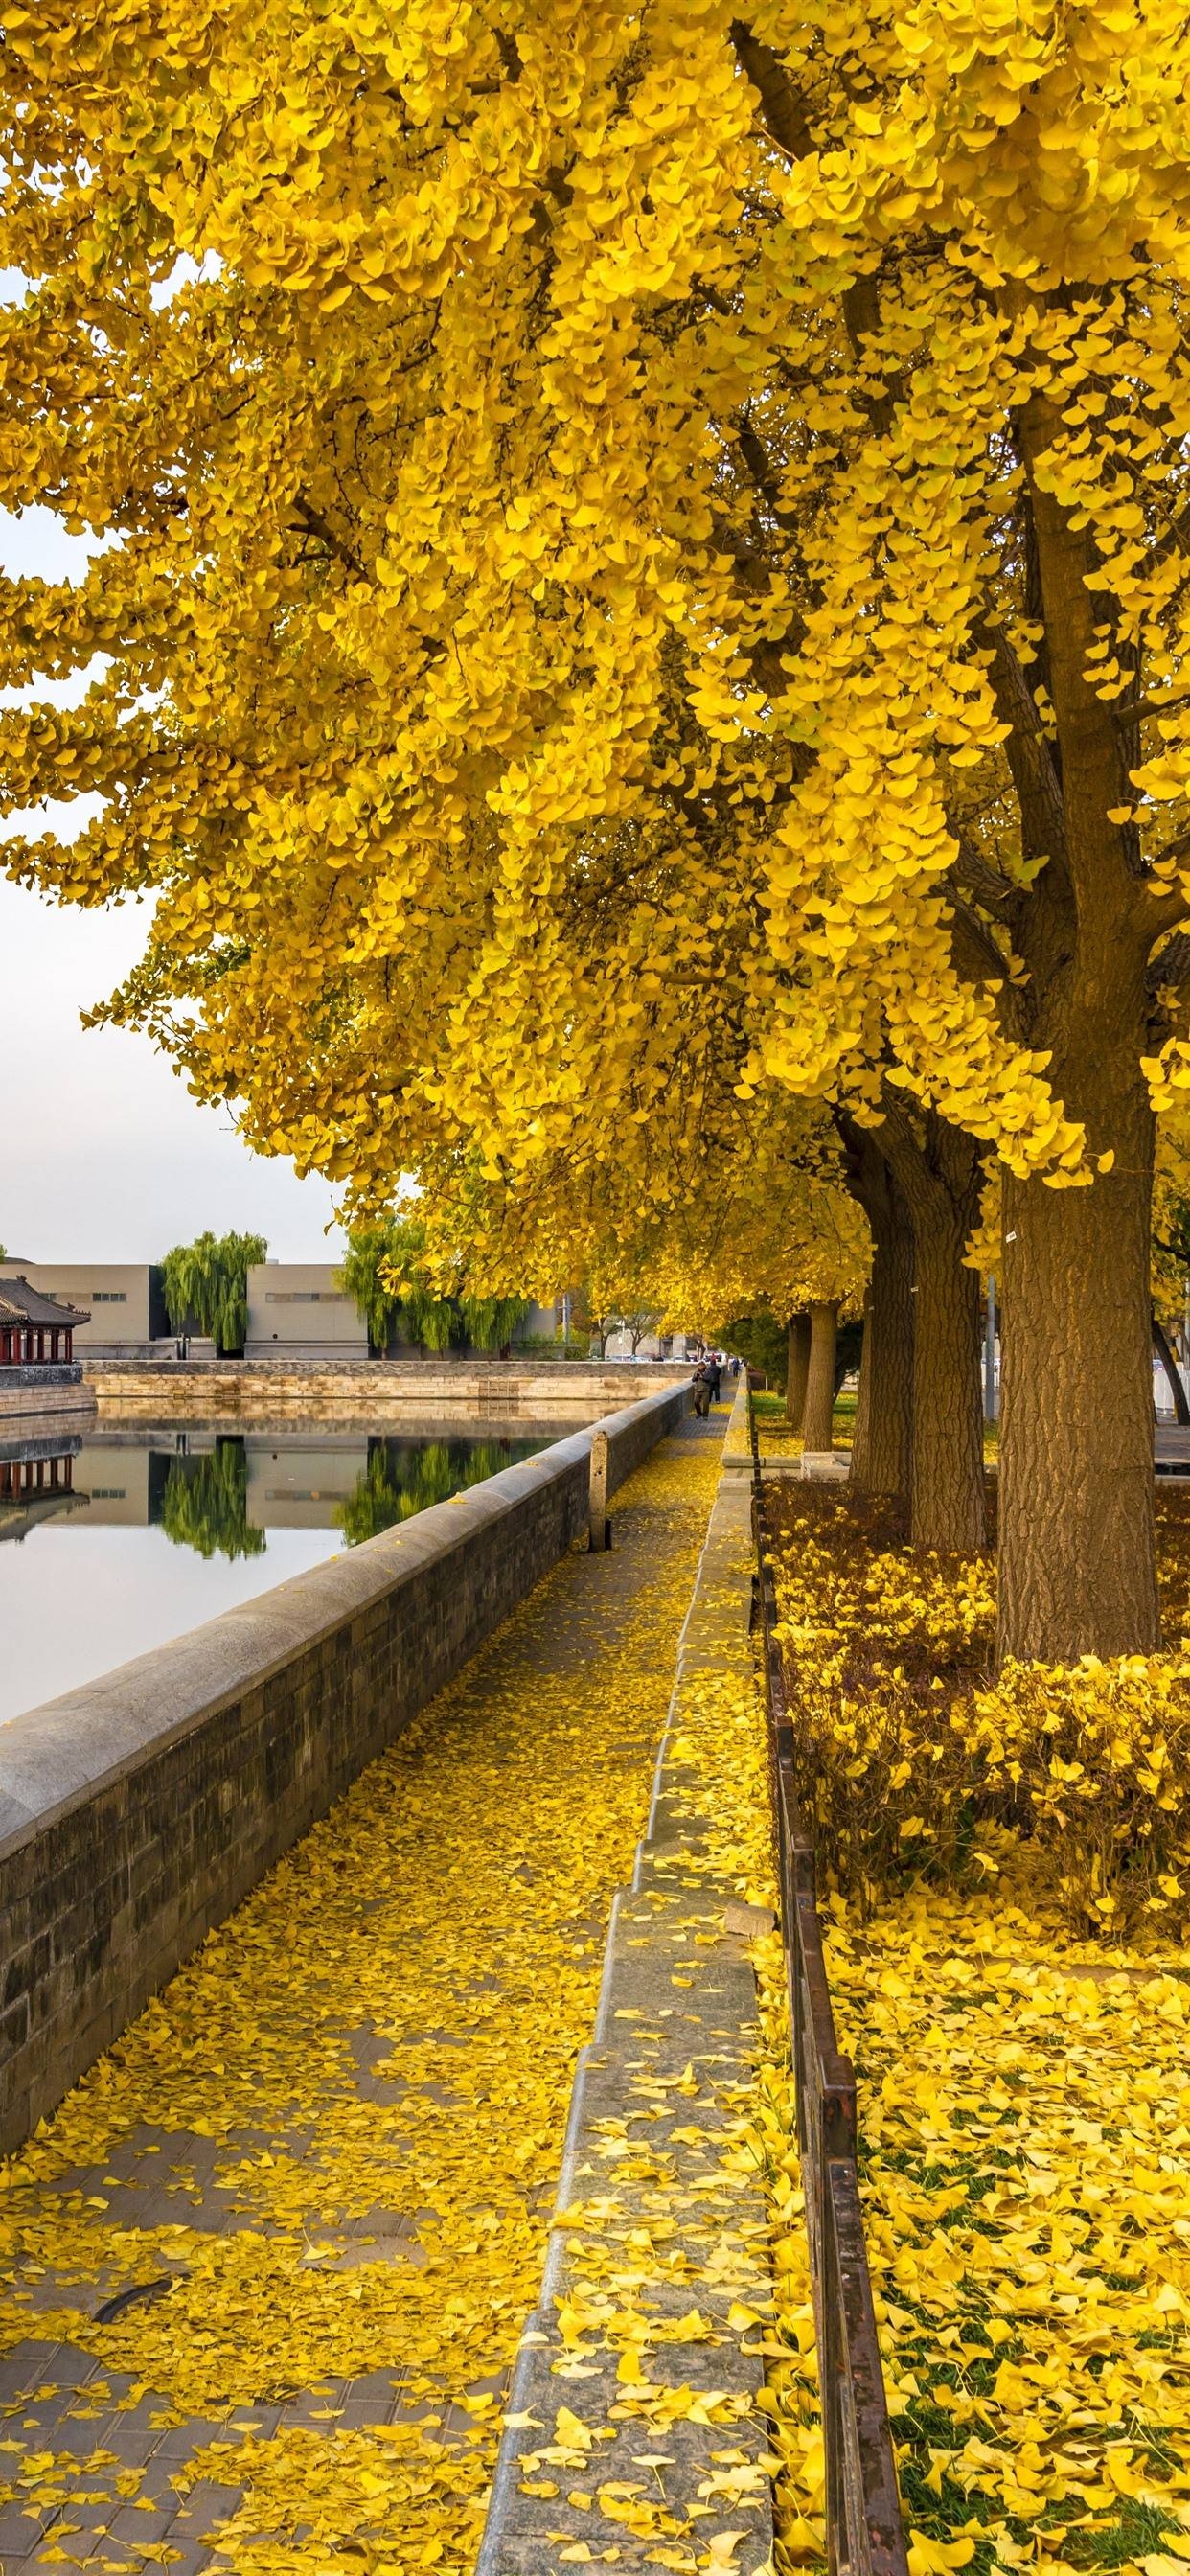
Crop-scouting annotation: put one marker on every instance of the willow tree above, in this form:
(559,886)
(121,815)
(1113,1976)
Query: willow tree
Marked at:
(632,521)
(367,1277)
(205,1283)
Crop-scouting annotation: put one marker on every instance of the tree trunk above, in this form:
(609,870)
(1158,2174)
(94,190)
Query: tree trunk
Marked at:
(818,1419)
(797,1370)
(882,1449)
(861,1429)
(1077,1552)
(1181,1408)
(939,1174)
(947,1488)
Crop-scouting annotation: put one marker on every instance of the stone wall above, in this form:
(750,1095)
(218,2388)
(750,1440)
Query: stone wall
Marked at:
(136,1812)
(44,1387)
(403,1394)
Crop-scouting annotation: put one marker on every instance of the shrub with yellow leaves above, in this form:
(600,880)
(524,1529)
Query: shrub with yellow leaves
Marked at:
(904,1748)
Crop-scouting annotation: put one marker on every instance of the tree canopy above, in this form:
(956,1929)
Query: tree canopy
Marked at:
(591,469)
(647,554)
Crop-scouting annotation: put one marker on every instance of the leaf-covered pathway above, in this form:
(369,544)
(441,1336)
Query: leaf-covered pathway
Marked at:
(328,2151)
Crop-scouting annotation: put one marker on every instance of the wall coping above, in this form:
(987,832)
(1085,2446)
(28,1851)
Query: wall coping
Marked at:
(58,1755)
(40,1373)
(496,1372)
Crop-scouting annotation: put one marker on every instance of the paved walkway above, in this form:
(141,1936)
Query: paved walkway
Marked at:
(262,2281)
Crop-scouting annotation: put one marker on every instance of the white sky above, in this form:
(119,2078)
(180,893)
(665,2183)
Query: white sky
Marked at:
(104,1156)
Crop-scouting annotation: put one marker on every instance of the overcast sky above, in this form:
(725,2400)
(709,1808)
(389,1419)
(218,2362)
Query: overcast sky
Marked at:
(105,1156)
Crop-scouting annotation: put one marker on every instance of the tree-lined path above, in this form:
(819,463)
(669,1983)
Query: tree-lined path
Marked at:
(329,2150)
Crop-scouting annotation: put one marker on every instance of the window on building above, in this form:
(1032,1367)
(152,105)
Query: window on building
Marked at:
(304,1297)
(109,1296)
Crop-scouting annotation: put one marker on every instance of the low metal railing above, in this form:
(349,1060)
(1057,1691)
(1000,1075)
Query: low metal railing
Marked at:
(864,2531)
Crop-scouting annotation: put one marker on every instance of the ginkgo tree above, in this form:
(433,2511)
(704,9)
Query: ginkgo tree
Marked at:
(633,525)
(699,1231)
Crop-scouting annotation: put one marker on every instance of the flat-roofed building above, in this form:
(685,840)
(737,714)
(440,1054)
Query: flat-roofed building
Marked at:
(123,1301)
(296,1312)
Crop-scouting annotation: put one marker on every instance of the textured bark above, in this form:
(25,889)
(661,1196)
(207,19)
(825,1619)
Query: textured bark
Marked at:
(1181,1408)
(861,1441)
(939,1172)
(797,1370)
(1077,1553)
(890,1452)
(947,1489)
(818,1419)
(881,1451)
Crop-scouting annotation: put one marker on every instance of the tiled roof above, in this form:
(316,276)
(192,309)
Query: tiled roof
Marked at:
(21,1304)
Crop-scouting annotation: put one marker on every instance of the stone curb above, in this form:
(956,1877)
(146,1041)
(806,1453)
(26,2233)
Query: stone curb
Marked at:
(710,2026)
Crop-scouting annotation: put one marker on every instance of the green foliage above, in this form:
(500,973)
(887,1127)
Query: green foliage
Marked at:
(386,1274)
(400,1481)
(366,1279)
(208,1280)
(205,1504)
(490,1322)
(763,1343)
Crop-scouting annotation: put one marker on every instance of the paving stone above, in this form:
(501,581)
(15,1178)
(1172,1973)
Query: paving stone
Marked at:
(154,2180)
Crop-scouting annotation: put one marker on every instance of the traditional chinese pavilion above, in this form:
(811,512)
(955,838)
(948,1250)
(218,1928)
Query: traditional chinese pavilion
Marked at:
(35,1331)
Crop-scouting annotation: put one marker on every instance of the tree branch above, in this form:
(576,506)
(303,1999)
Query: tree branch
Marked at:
(993,893)
(759,466)
(781,110)
(1171,966)
(977,960)
(1026,750)
(316,526)
(1137,711)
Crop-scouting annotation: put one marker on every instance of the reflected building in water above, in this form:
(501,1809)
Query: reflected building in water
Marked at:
(37,1482)
(219,1493)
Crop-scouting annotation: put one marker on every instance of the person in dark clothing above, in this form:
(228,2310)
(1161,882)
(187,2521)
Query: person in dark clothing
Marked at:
(702,1391)
(714,1374)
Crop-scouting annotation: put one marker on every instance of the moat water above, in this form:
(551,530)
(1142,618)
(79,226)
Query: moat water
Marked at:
(117,1541)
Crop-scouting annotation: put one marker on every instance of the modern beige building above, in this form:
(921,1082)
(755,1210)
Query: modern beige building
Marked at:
(292,1488)
(295,1311)
(112,1483)
(125,1312)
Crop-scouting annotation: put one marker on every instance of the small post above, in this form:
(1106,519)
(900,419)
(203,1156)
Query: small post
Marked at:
(601,1528)
(990,1406)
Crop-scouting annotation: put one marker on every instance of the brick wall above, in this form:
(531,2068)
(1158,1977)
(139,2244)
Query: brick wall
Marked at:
(136,1812)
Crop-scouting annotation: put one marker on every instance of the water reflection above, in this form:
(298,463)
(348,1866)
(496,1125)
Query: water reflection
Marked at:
(113,1541)
(205,1503)
(37,1483)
